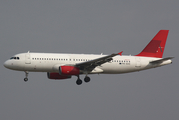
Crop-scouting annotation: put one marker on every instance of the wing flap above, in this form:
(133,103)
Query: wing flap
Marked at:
(97,70)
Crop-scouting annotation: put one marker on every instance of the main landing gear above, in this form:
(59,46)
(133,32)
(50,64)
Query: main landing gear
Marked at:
(26,76)
(79,81)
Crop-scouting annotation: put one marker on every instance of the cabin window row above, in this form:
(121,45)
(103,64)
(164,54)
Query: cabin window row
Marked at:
(120,61)
(63,59)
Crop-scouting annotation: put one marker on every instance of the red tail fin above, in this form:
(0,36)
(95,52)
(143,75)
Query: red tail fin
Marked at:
(156,46)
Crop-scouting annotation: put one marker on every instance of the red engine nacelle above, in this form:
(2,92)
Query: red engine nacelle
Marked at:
(57,76)
(69,70)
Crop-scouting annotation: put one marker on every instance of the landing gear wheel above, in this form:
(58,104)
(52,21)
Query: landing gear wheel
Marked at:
(87,79)
(26,76)
(25,79)
(79,82)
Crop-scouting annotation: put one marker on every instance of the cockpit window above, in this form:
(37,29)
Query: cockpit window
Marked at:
(15,58)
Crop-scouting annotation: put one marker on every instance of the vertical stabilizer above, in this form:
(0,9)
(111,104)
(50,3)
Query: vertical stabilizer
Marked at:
(156,46)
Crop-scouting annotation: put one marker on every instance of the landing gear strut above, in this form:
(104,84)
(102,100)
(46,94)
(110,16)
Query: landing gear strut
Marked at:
(26,76)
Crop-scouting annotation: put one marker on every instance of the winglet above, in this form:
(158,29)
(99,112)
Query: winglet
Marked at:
(120,53)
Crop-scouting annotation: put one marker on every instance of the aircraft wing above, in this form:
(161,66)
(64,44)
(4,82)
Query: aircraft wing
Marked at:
(161,60)
(90,65)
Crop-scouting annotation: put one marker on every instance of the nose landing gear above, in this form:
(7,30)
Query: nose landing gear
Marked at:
(26,76)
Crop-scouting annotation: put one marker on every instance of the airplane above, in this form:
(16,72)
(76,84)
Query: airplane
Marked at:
(61,66)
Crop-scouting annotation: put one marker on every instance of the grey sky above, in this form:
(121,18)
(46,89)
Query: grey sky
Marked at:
(83,26)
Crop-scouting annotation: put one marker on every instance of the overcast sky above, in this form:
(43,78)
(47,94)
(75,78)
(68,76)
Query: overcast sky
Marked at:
(89,26)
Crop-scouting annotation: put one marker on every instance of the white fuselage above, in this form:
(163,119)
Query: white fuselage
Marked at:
(49,62)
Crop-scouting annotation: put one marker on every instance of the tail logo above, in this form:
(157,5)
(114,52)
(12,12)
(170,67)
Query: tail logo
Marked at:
(160,48)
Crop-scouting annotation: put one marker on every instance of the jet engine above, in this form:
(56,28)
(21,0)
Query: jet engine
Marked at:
(57,76)
(69,70)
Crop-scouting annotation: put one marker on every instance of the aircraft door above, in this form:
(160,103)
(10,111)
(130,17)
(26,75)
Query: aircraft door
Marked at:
(27,58)
(138,63)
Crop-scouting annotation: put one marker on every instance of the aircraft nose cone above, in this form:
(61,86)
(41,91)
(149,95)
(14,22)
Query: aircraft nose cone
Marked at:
(6,64)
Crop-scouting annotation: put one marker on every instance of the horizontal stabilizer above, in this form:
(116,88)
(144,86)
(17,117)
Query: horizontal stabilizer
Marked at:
(161,60)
